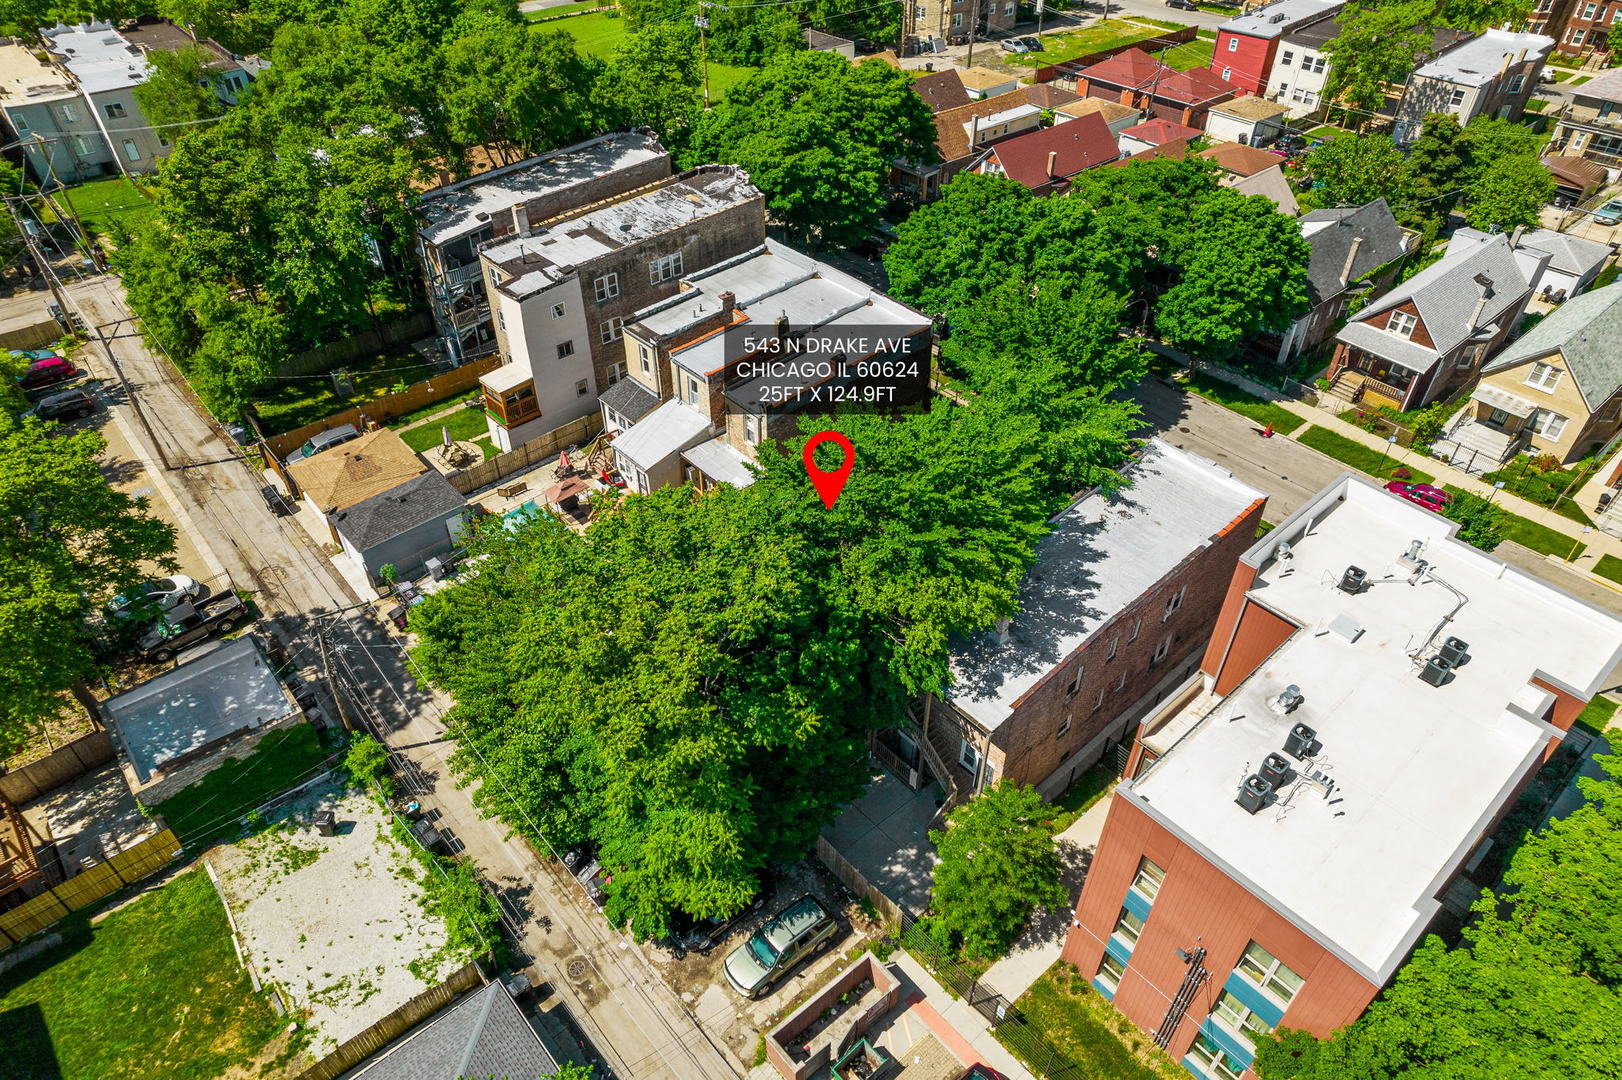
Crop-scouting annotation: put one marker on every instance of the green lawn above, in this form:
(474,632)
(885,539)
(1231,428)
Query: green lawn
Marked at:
(1609,566)
(1599,713)
(210,808)
(1259,410)
(1579,80)
(1081,1027)
(1080,797)
(599,35)
(1534,535)
(1058,47)
(463,424)
(153,990)
(1190,54)
(1362,458)
(288,403)
(1544,488)
(101,202)
(418,415)
(565,9)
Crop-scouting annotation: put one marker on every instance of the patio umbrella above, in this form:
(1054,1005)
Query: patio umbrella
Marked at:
(563,461)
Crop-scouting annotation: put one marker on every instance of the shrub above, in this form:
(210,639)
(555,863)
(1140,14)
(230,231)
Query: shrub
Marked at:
(1401,473)
(365,761)
(1480,522)
(1545,463)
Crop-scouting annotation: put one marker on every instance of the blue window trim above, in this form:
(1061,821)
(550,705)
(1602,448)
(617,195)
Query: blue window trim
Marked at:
(1136,904)
(1103,988)
(1116,948)
(1254,997)
(1233,1045)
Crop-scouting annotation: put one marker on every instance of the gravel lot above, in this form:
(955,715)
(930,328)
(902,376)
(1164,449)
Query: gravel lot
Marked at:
(336,922)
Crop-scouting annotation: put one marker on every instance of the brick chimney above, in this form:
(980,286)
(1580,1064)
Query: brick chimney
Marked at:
(1351,258)
(1053,163)
(729,300)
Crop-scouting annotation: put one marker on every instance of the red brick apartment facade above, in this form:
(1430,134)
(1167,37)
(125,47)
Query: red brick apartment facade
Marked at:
(1580,28)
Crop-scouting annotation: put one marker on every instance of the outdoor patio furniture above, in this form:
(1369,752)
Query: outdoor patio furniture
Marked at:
(507,491)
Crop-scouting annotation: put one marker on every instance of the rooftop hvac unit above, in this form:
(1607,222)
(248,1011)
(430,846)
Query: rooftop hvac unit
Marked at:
(1253,793)
(1436,670)
(1353,580)
(1275,768)
(1299,741)
(1288,698)
(1453,650)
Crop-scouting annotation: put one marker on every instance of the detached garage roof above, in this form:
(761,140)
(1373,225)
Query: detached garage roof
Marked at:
(370,522)
(356,470)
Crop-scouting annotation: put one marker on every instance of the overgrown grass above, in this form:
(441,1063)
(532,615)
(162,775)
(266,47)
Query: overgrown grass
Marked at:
(102,202)
(1532,534)
(288,403)
(1244,403)
(153,990)
(1082,796)
(1085,1031)
(1523,478)
(601,33)
(463,424)
(1096,38)
(1609,566)
(1362,458)
(1597,717)
(209,809)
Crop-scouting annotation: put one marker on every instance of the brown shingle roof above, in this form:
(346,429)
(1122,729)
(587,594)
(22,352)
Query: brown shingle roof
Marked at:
(1111,111)
(356,470)
(951,138)
(1241,160)
(941,90)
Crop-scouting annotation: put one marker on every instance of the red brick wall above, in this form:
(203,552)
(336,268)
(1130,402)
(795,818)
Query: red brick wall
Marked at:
(1259,633)
(1198,905)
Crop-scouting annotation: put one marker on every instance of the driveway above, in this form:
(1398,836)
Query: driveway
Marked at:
(885,835)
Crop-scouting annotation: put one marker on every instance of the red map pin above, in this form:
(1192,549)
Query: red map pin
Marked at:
(829,484)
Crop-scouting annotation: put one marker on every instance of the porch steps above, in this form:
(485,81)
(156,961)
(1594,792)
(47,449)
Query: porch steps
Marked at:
(1476,448)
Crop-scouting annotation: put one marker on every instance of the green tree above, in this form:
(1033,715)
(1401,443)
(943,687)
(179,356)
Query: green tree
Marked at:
(817,135)
(998,863)
(70,543)
(519,89)
(1437,164)
(1511,192)
(180,88)
(1480,522)
(1356,170)
(1487,139)
(949,252)
(653,80)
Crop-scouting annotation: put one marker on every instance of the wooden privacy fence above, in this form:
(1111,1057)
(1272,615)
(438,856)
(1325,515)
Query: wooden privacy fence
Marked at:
(1065,70)
(397,1023)
(60,901)
(63,765)
(853,879)
(574,433)
(324,358)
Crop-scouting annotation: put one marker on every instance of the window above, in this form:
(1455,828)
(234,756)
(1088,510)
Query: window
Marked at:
(1236,1016)
(1008,9)
(1589,9)
(1576,37)
(1548,424)
(918,10)
(1266,971)
(1456,100)
(501,318)
(581,388)
(1099,704)
(606,287)
(665,268)
(1233,44)
(957,18)
(559,311)
(616,372)
(1215,1063)
(565,349)
(1543,376)
(612,330)
(21,124)
(1114,647)
(1148,880)
(1075,682)
(82,144)
(1120,684)
(1226,72)
(1162,650)
(1110,972)
(968,755)
(1128,927)
(114,110)
(645,354)
(1064,726)
(1174,602)
(751,429)
(1516,83)
(1286,58)
(132,151)
(1315,65)
(1401,323)
(493,279)
(692,391)
(1137,624)
(70,113)
(1283,86)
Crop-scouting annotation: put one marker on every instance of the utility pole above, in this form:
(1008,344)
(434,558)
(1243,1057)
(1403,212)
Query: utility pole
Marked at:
(39,256)
(332,684)
(50,167)
(702,21)
(974,27)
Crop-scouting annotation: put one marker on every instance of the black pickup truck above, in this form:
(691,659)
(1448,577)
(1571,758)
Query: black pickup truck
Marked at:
(188,624)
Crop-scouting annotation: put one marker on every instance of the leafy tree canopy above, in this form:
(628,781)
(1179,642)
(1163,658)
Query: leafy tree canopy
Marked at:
(1354,170)
(179,88)
(1511,192)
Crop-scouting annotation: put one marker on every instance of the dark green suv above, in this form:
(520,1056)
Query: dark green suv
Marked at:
(792,935)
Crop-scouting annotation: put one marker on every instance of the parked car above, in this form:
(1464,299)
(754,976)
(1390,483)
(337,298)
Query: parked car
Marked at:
(1426,495)
(1033,44)
(690,935)
(47,372)
(1181,5)
(75,402)
(157,595)
(1014,45)
(36,354)
(326,440)
(175,631)
(793,934)
(1609,214)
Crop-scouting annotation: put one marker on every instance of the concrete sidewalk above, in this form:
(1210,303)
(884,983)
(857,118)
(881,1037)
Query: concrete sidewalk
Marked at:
(958,1017)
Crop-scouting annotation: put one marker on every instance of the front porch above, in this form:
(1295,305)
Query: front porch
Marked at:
(1488,431)
(1362,378)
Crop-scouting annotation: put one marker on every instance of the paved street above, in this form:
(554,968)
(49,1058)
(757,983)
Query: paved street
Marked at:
(608,989)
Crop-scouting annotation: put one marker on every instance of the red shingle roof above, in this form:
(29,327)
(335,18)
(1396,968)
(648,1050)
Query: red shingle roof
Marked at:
(1137,70)
(1241,160)
(1159,132)
(1075,145)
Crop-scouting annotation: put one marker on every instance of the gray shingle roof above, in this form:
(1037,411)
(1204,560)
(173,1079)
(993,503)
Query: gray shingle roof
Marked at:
(629,399)
(1382,242)
(1587,331)
(481,1035)
(1447,296)
(1607,86)
(1572,254)
(383,517)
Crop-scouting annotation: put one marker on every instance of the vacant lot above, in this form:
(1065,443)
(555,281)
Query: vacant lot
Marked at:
(1081,1027)
(153,990)
(600,34)
(292,401)
(209,809)
(102,202)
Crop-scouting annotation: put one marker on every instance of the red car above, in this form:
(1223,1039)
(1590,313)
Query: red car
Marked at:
(1431,498)
(47,372)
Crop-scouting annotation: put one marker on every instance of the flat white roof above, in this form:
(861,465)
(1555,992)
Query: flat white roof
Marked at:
(671,427)
(24,80)
(1477,61)
(1103,552)
(1419,771)
(1278,18)
(98,56)
(721,462)
(505,377)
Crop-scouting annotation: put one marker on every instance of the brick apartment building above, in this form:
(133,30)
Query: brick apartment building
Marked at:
(1247,46)
(930,25)
(1139,81)
(1297,816)
(1116,610)
(562,289)
(457,218)
(1581,28)
(692,409)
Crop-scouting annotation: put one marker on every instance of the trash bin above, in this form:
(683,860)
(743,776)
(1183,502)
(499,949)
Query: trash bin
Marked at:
(326,823)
